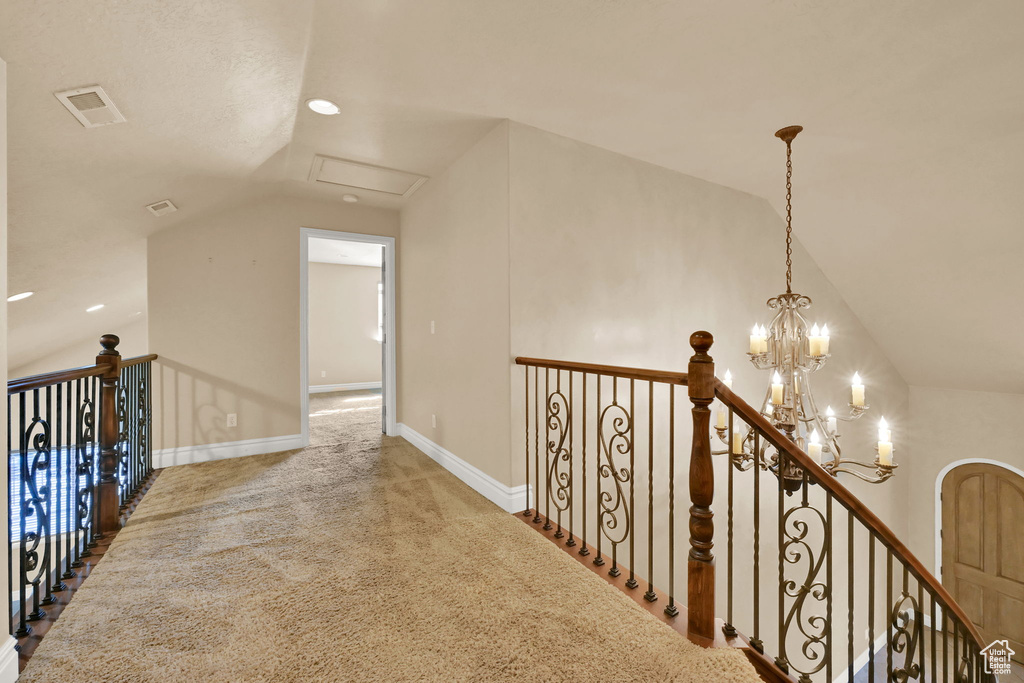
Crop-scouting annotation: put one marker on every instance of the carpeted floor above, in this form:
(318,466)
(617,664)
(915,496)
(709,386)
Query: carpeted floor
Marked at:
(362,560)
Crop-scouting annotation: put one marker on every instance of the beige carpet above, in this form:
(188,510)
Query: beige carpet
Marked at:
(359,561)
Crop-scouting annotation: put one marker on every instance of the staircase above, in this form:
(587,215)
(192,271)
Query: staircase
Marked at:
(814,587)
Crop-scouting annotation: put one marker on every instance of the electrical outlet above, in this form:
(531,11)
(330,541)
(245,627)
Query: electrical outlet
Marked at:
(323,373)
(431,327)
(433,421)
(232,419)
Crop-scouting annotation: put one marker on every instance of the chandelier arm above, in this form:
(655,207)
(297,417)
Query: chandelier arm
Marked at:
(827,438)
(878,479)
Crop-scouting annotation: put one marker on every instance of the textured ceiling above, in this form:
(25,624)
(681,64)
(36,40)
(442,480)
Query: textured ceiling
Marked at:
(907,175)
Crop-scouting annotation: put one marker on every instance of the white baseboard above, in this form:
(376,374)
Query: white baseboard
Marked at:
(354,386)
(187,455)
(8,661)
(508,498)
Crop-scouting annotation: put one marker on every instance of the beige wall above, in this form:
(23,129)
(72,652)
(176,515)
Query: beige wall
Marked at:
(454,271)
(343,345)
(950,425)
(134,342)
(228,283)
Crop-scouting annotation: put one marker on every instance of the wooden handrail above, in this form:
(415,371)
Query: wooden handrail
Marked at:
(607,370)
(46,379)
(138,360)
(869,519)
(21,384)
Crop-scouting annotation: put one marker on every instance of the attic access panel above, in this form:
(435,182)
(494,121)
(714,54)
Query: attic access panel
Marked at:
(358,176)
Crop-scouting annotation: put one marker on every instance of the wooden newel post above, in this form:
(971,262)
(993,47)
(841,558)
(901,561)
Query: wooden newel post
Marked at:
(106,508)
(701,564)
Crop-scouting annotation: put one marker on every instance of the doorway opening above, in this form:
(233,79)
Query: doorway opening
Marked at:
(347,330)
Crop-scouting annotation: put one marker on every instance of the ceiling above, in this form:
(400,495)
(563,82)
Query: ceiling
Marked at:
(907,174)
(345,253)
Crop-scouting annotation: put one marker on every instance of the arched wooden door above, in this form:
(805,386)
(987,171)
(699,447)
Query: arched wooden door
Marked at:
(983,549)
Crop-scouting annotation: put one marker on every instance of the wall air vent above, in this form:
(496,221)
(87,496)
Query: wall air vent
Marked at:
(357,176)
(91,106)
(162,208)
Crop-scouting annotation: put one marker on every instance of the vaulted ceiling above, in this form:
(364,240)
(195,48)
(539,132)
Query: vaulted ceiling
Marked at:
(907,175)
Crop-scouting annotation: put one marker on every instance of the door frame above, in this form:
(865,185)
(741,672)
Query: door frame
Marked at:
(390,385)
(938,499)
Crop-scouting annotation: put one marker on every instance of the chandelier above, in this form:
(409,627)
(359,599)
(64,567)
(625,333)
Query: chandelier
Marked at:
(792,351)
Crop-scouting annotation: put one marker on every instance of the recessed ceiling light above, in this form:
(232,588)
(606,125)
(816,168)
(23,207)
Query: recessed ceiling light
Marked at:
(94,308)
(19,297)
(325,107)
(350,198)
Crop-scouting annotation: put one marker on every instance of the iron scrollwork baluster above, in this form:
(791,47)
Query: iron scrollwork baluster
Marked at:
(123,438)
(620,441)
(797,551)
(34,509)
(85,447)
(559,417)
(906,636)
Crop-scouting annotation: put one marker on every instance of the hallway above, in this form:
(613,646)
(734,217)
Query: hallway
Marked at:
(362,560)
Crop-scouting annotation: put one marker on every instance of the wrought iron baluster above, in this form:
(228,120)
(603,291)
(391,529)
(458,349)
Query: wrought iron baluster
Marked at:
(631,581)
(34,506)
(547,450)
(919,627)
(797,551)
(906,629)
(599,560)
(526,441)
(536,445)
(780,659)
(615,515)
(650,595)
(871,606)
(828,586)
(44,413)
(572,456)
(755,640)
(583,509)
(729,629)
(849,593)
(934,668)
(558,480)
(945,647)
(956,650)
(888,625)
(671,609)
(58,491)
(71,475)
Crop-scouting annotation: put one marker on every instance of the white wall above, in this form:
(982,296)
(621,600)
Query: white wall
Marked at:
(224,317)
(454,271)
(949,425)
(343,330)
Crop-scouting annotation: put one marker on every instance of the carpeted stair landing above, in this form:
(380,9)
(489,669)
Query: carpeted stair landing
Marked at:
(357,561)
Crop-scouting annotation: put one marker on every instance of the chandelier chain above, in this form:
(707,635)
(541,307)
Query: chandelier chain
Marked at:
(789,218)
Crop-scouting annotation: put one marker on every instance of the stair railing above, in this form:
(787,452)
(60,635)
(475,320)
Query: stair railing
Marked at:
(825,590)
(79,452)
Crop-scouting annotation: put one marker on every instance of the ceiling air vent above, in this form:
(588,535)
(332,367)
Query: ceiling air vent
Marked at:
(354,175)
(91,106)
(162,208)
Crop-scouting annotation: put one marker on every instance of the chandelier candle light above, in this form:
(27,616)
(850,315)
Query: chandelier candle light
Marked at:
(793,351)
